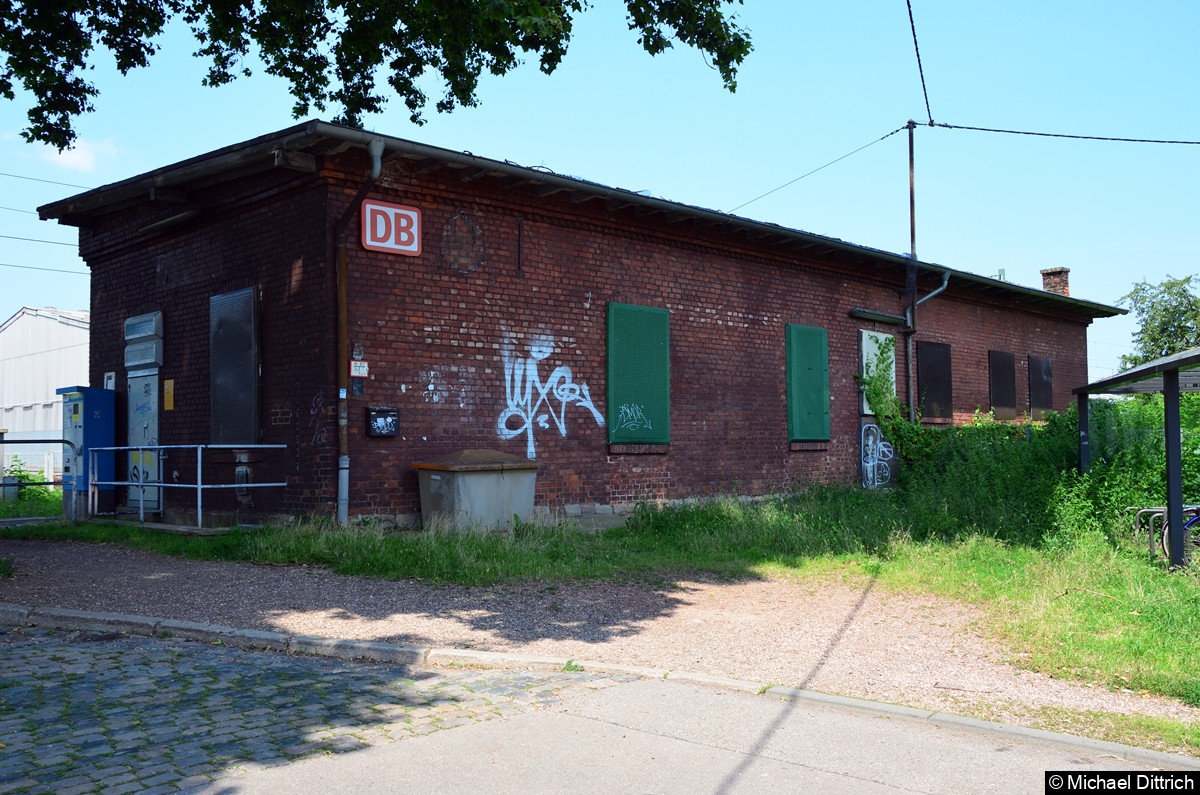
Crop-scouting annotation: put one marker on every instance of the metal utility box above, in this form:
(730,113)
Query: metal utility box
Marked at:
(476,489)
(89,420)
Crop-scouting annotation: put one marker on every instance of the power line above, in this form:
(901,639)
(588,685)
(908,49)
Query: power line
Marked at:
(19,210)
(921,69)
(35,240)
(1063,135)
(47,270)
(815,170)
(47,181)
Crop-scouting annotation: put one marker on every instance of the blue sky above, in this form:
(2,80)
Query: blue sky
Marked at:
(823,81)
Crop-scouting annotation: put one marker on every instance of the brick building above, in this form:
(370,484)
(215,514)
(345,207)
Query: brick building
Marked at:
(637,349)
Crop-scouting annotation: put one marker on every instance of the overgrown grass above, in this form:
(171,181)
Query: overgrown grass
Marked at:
(1092,613)
(726,538)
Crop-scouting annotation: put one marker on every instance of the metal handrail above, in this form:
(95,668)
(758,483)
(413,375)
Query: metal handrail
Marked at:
(199,485)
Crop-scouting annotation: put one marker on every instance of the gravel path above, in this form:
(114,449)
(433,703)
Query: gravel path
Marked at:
(857,641)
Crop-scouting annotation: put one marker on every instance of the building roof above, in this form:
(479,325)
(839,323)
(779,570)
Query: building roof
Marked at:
(80,319)
(298,147)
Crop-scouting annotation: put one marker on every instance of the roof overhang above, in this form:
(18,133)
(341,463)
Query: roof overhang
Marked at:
(296,148)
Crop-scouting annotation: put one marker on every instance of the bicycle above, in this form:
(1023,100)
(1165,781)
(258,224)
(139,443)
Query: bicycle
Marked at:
(1191,529)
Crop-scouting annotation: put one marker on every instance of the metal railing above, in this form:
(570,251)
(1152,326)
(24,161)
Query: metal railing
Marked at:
(77,482)
(200,486)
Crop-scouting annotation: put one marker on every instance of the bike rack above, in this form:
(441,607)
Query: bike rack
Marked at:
(1152,519)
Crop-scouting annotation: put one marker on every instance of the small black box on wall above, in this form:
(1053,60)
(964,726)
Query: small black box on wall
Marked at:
(383,421)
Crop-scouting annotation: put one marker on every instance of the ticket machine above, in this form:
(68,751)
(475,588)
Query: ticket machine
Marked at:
(89,420)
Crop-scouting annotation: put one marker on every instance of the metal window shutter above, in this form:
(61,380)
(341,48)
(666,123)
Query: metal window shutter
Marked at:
(807,376)
(1002,384)
(1041,386)
(639,375)
(935,383)
(233,367)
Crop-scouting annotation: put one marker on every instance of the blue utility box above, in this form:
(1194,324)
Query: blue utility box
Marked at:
(89,420)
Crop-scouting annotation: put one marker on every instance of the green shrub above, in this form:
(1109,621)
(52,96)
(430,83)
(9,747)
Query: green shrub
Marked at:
(31,500)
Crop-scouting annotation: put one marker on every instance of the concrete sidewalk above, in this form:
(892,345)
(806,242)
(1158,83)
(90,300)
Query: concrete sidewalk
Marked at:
(603,729)
(664,736)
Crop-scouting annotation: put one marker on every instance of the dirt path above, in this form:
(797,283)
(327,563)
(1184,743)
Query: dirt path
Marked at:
(855,641)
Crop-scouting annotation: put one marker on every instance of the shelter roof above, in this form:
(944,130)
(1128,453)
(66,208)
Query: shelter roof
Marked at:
(1148,378)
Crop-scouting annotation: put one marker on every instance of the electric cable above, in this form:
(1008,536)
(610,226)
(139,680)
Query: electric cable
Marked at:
(47,181)
(47,270)
(815,170)
(35,240)
(19,210)
(921,69)
(1063,135)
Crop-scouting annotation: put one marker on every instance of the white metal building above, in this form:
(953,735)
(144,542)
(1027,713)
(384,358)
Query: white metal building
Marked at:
(40,351)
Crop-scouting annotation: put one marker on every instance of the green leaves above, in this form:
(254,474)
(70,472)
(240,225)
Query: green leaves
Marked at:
(330,52)
(1168,319)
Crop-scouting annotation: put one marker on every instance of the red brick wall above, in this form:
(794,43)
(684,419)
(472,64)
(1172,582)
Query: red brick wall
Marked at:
(270,233)
(436,339)
(436,332)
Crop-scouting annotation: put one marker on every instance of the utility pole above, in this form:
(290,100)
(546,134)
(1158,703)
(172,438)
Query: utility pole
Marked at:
(912,192)
(910,278)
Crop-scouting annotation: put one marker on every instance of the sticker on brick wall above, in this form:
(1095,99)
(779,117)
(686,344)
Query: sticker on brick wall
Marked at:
(533,403)
(391,227)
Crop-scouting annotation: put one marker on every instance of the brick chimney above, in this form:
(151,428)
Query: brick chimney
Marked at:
(1054,280)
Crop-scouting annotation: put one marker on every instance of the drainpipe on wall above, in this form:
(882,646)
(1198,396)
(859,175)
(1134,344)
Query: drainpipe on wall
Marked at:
(375,149)
(910,318)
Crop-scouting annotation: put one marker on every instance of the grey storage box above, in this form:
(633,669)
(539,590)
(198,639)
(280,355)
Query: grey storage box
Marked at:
(476,489)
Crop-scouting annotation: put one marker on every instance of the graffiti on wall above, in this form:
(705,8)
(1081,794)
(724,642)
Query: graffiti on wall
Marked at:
(531,402)
(445,386)
(316,420)
(630,417)
(877,456)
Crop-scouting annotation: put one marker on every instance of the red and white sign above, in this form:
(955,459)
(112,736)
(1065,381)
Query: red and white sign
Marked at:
(391,227)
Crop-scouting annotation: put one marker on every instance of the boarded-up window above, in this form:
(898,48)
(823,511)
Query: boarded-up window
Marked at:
(1002,383)
(877,354)
(639,375)
(233,367)
(807,375)
(1041,387)
(934,382)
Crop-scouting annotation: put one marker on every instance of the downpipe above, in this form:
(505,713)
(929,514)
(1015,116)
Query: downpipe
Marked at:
(375,149)
(910,333)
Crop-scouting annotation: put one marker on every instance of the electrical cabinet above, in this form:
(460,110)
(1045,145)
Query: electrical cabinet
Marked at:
(89,420)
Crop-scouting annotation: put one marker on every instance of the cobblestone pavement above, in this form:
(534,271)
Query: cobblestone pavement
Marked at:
(89,712)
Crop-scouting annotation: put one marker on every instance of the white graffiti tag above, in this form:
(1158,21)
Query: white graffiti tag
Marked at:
(531,401)
(876,453)
(631,417)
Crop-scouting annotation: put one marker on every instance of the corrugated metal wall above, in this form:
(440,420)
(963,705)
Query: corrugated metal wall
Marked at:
(40,351)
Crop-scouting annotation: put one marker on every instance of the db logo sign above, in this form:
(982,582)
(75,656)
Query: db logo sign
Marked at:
(391,227)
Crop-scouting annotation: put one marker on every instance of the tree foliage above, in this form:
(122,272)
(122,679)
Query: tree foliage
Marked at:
(1168,317)
(331,52)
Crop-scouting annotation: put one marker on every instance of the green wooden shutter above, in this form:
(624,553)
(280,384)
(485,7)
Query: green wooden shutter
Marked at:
(639,375)
(807,355)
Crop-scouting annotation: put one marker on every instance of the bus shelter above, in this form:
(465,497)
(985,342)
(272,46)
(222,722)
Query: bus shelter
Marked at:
(1170,375)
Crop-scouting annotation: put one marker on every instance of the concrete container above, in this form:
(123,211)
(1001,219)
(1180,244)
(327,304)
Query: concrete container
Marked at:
(476,489)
